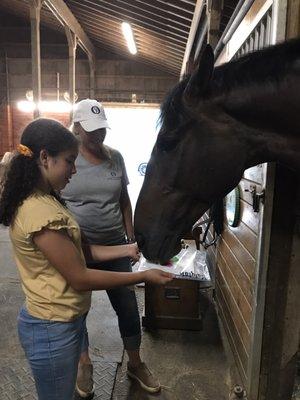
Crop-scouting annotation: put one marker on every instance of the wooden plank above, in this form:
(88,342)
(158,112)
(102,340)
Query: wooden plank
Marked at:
(246,285)
(236,315)
(241,357)
(236,291)
(246,236)
(281,323)
(250,218)
(293,19)
(214,13)
(241,254)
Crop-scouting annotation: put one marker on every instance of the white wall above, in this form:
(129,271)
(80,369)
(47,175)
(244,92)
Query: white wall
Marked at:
(133,132)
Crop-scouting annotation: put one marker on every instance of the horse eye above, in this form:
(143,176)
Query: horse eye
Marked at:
(167,142)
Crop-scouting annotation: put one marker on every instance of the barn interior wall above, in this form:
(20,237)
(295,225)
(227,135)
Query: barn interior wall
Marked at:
(117,78)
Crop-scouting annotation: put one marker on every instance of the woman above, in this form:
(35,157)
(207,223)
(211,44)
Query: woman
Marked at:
(98,198)
(47,246)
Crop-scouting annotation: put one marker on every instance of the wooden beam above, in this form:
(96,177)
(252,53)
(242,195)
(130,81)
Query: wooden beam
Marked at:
(281,316)
(35,13)
(214,11)
(293,19)
(65,16)
(72,43)
(193,30)
(92,64)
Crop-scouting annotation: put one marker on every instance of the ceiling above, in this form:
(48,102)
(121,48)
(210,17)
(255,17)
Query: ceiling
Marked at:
(161,27)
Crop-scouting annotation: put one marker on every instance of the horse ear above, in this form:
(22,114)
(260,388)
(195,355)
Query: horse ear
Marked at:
(199,80)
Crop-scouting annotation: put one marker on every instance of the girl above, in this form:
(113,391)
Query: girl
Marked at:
(47,246)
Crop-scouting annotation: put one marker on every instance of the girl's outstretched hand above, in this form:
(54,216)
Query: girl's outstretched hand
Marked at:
(158,277)
(133,251)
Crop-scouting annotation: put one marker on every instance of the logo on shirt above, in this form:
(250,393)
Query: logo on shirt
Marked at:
(113,175)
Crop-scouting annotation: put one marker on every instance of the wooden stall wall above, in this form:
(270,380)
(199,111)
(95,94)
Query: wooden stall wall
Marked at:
(235,257)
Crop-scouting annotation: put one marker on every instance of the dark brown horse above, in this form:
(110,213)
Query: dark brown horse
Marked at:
(214,125)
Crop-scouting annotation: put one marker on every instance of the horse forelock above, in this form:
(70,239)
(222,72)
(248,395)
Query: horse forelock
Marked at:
(172,111)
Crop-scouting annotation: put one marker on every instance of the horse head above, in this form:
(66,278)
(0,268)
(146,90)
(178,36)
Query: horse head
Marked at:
(189,166)
(207,140)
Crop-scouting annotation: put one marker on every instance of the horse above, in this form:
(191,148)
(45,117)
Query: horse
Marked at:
(214,124)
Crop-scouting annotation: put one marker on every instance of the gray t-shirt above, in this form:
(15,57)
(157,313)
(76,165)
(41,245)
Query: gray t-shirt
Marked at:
(93,197)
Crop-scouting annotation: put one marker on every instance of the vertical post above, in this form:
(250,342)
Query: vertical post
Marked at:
(72,42)
(279,19)
(35,11)
(92,64)
(8,109)
(213,11)
(293,18)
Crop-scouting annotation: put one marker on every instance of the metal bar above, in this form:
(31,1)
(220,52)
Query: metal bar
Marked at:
(201,40)
(193,30)
(239,13)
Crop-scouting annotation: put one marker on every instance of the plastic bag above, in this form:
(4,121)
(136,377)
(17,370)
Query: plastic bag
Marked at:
(188,264)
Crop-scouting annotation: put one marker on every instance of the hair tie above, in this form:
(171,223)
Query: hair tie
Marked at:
(24,150)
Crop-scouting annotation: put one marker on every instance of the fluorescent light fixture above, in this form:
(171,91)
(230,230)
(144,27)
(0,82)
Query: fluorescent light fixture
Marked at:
(45,106)
(128,34)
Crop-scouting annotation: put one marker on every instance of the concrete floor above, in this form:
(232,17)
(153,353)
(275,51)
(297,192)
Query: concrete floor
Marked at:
(190,365)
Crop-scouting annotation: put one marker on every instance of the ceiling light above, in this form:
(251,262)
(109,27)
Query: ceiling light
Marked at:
(128,34)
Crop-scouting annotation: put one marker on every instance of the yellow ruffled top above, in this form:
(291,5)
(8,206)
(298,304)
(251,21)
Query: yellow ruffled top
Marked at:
(48,295)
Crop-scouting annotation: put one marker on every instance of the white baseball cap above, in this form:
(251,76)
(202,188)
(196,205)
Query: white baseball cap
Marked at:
(91,115)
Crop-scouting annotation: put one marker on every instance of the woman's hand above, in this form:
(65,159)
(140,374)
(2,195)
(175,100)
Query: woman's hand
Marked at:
(133,251)
(158,277)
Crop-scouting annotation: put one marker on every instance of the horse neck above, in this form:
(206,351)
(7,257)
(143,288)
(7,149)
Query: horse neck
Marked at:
(270,121)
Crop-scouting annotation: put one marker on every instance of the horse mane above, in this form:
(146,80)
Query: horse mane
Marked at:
(260,68)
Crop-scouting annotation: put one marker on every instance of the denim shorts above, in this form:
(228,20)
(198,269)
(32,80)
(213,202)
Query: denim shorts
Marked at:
(52,349)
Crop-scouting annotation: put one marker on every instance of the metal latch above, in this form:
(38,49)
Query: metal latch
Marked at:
(256,197)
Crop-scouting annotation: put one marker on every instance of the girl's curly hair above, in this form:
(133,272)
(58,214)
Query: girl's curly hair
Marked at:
(23,172)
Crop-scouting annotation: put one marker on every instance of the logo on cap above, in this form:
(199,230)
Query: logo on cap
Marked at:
(95,110)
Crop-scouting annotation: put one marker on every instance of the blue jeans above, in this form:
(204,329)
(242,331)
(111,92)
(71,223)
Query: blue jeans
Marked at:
(53,349)
(124,303)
